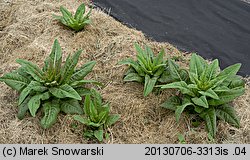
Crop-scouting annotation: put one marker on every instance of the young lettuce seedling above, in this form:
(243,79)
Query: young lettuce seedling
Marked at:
(150,69)
(147,69)
(97,116)
(76,22)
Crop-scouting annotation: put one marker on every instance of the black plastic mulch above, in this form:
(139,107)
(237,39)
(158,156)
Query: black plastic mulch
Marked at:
(212,28)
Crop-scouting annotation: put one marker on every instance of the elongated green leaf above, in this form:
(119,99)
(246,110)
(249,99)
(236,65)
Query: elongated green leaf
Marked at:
(69,67)
(149,85)
(141,56)
(93,113)
(130,70)
(65,91)
(15,81)
(196,65)
(209,93)
(71,106)
(194,78)
(172,103)
(150,56)
(75,58)
(65,10)
(83,82)
(45,68)
(23,108)
(133,64)
(210,71)
(159,59)
(227,96)
(57,17)
(174,70)
(93,124)
(184,74)
(105,107)
(166,77)
(144,59)
(85,22)
(53,62)
(84,70)
(82,91)
(213,69)
(56,54)
(226,74)
(64,70)
(62,20)
(79,12)
(209,116)
(81,119)
(34,85)
(97,98)
(227,113)
(112,119)
(231,70)
(228,80)
(181,139)
(99,134)
(32,69)
(25,92)
(217,81)
(127,61)
(34,104)
(35,101)
(182,86)
(193,86)
(78,26)
(22,71)
(236,82)
(87,102)
(159,71)
(102,117)
(146,70)
(180,109)
(149,52)
(202,101)
(45,96)
(51,110)
(67,15)
(221,89)
(133,77)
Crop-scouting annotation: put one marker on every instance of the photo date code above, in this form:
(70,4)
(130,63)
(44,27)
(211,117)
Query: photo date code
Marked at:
(154,151)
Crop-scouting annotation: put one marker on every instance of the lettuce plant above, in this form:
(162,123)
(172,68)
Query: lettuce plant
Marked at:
(207,92)
(146,69)
(53,88)
(97,116)
(76,22)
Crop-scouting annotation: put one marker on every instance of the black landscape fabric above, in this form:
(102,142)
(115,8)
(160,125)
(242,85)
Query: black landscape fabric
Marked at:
(212,28)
